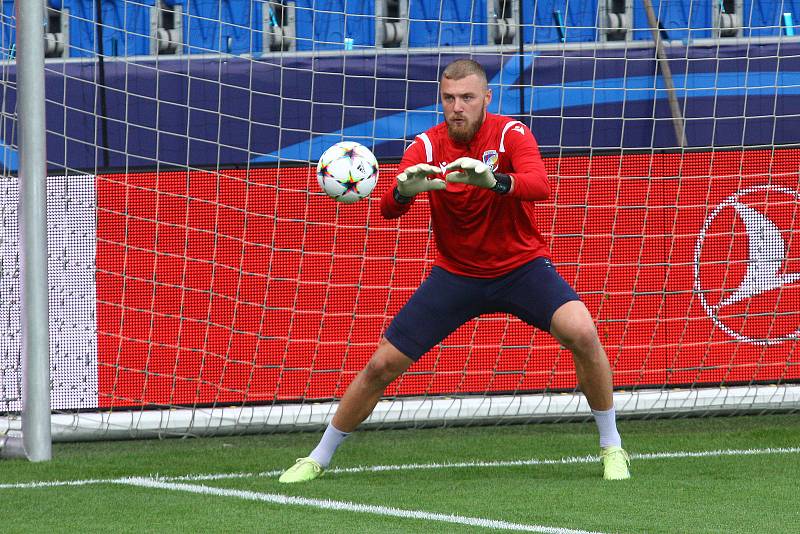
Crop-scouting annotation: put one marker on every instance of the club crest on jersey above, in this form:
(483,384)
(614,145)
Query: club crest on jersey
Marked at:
(490,159)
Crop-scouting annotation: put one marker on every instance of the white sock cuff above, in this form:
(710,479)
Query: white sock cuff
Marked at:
(334,429)
(331,439)
(607,426)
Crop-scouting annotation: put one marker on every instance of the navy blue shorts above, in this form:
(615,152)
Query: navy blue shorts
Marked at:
(445,301)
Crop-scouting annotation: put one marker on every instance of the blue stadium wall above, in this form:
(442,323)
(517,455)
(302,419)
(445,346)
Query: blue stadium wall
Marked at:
(230,111)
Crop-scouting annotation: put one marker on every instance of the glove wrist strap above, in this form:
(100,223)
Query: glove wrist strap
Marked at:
(503,184)
(400,198)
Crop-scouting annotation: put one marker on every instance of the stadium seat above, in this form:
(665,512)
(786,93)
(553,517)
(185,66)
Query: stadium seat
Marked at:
(765,19)
(579,21)
(447,23)
(329,27)
(679,20)
(126,26)
(7,30)
(230,26)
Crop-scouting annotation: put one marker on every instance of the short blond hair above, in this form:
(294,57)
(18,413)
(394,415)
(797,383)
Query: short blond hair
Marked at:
(461,68)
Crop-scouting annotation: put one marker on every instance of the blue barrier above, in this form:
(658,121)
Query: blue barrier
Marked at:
(595,98)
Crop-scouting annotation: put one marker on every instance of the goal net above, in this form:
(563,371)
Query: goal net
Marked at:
(201,283)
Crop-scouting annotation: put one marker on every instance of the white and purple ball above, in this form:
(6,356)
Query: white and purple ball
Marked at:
(347,172)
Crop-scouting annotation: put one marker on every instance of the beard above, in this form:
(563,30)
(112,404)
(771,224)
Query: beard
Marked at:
(464,132)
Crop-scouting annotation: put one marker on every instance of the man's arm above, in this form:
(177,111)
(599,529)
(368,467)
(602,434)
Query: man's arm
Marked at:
(529,178)
(414,178)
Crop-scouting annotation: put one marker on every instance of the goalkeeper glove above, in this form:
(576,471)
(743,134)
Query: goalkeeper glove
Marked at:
(471,171)
(414,180)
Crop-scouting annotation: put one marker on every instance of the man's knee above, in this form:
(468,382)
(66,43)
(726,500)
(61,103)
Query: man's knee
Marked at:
(574,328)
(386,364)
(582,338)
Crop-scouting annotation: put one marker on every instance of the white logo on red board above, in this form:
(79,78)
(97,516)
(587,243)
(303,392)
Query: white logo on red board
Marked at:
(747,265)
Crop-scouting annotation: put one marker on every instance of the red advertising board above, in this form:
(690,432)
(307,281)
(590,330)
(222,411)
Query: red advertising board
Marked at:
(251,286)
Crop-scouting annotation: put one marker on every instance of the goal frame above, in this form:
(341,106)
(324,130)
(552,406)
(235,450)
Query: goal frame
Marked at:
(32,440)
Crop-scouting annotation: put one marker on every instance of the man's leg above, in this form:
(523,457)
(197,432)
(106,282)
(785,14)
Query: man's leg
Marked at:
(386,364)
(363,393)
(573,327)
(441,304)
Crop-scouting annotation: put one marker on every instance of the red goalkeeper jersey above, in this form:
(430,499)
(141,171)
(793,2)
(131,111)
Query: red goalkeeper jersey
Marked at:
(479,232)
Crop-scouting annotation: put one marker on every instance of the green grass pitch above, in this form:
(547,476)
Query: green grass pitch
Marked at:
(522,477)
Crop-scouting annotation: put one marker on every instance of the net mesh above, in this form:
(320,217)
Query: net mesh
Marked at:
(195,264)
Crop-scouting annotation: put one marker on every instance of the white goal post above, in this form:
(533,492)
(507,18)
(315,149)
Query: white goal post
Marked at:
(34,443)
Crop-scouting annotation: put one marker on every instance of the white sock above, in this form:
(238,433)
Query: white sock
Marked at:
(607,425)
(330,441)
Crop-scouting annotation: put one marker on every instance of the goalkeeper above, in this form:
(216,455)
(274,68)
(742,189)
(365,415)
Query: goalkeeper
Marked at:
(481,173)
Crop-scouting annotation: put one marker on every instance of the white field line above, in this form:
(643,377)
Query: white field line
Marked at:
(58,483)
(328,504)
(418,467)
(505,463)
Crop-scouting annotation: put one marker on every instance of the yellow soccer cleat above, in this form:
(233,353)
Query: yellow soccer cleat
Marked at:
(615,463)
(303,470)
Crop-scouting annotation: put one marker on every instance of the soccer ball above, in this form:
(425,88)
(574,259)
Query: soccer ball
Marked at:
(347,172)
